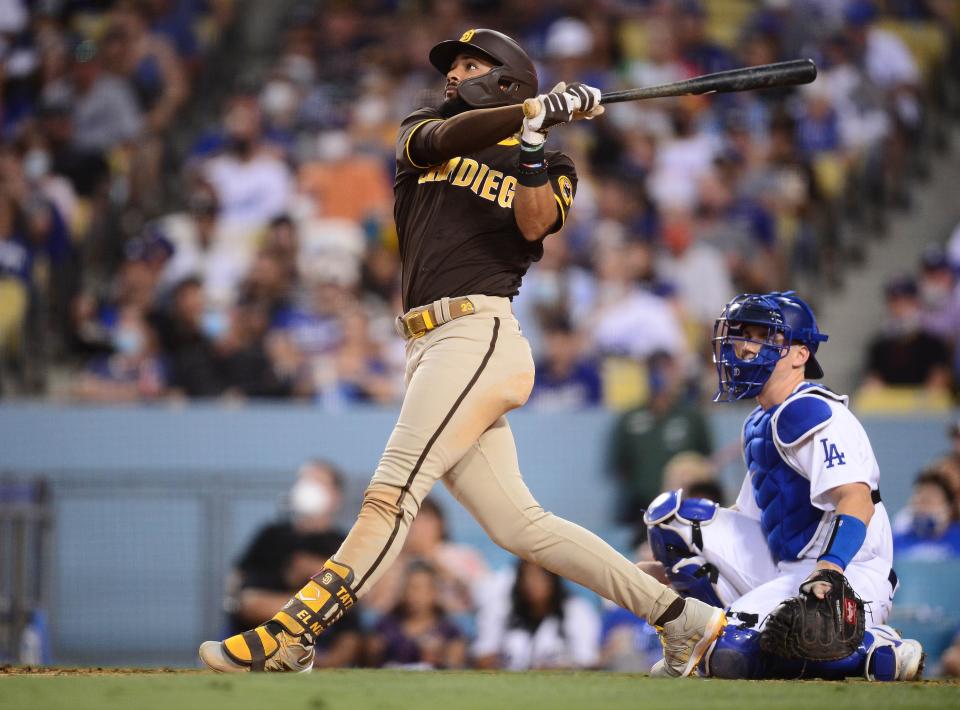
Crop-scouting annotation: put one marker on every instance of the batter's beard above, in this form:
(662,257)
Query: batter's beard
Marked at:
(452,106)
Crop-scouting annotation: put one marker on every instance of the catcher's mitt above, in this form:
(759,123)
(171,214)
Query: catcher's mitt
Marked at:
(816,629)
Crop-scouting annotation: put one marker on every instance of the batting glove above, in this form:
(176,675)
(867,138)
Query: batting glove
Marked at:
(586,101)
(548,110)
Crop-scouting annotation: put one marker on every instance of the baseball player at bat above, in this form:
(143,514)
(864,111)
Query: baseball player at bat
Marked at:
(476,193)
(808,539)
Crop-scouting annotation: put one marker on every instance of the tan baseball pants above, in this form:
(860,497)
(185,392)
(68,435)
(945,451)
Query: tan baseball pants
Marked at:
(462,378)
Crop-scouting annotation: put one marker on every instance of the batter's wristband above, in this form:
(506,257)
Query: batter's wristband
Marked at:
(846,539)
(532,166)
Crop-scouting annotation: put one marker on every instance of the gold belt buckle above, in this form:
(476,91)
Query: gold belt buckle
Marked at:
(411,330)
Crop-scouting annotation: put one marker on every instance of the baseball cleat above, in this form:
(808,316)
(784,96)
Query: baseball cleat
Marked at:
(285,643)
(686,639)
(277,652)
(908,654)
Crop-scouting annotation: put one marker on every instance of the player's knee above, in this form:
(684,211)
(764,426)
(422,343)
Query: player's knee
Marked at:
(677,543)
(735,654)
(381,499)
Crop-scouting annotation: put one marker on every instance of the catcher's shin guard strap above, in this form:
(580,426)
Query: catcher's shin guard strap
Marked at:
(321,602)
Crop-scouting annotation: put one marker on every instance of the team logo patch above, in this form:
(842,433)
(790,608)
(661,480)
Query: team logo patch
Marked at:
(566,189)
(467,36)
(326,579)
(832,456)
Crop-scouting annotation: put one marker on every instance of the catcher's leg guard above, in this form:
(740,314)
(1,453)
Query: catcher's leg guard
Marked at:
(892,657)
(882,656)
(285,643)
(735,654)
(675,537)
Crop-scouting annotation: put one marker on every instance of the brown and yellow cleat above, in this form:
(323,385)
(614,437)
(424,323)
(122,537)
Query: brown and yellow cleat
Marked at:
(285,643)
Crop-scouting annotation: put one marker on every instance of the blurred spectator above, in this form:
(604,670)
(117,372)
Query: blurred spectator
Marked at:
(634,321)
(529,621)
(739,225)
(187,336)
(151,67)
(252,184)
(201,250)
(246,364)
(949,465)
(283,555)
(683,159)
(346,184)
(696,474)
(939,296)
(148,62)
(696,268)
(565,380)
(417,633)
(361,374)
(555,285)
(904,353)
(710,489)
(105,112)
(646,438)
(702,54)
(135,372)
(460,569)
(931,528)
(950,660)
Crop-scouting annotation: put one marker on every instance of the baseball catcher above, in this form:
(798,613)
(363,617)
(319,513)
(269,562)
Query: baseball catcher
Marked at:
(803,560)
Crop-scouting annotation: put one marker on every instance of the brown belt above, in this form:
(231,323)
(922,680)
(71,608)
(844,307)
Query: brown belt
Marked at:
(417,322)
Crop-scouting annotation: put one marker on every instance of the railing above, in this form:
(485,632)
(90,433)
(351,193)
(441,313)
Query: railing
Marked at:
(26,561)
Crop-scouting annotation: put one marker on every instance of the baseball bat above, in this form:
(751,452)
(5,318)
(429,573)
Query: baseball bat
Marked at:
(763,76)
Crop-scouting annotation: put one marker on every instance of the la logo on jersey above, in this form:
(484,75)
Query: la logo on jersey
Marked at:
(831,454)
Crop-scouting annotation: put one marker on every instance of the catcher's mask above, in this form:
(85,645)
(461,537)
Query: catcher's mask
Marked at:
(512,79)
(743,370)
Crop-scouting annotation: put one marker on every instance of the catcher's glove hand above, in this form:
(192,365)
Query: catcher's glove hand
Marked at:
(817,629)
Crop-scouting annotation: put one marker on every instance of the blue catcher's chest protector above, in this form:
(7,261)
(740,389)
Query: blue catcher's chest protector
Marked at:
(787,517)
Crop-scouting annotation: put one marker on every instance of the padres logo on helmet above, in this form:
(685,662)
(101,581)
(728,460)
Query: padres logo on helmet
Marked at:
(512,79)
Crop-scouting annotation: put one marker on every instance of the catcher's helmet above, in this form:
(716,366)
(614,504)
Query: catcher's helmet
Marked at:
(784,314)
(512,79)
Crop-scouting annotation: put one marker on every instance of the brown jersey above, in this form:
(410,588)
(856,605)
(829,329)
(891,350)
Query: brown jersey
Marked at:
(455,221)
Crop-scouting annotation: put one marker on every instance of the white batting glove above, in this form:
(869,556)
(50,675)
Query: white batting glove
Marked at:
(586,99)
(544,112)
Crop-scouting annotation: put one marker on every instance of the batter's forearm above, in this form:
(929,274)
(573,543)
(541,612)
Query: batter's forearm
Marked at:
(535,210)
(466,133)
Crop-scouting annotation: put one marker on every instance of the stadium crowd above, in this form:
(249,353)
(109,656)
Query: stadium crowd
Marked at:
(272,270)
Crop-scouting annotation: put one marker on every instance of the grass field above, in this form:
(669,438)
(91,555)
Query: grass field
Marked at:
(353,689)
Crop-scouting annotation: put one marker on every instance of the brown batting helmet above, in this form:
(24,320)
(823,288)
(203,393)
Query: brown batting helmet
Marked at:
(512,79)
